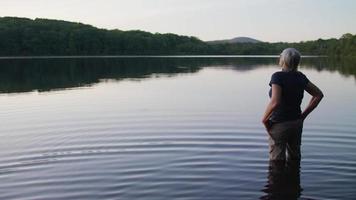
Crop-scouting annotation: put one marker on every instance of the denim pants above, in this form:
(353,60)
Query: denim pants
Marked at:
(285,138)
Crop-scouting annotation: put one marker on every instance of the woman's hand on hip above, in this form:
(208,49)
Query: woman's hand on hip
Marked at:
(267,124)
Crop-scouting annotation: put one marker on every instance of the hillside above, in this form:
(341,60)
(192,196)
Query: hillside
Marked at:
(22,36)
(235,40)
(41,37)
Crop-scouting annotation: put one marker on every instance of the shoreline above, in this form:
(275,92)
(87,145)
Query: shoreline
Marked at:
(150,56)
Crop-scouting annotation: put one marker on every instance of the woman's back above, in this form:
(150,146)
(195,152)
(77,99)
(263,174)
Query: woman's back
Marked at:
(293,84)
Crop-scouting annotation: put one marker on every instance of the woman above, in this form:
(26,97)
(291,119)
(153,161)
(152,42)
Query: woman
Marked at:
(283,118)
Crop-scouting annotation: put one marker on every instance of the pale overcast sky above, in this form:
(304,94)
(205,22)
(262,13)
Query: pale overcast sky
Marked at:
(267,20)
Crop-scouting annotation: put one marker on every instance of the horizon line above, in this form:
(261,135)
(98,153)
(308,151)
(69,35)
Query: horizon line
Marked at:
(150,56)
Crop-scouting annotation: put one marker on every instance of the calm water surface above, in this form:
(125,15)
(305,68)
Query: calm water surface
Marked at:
(167,128)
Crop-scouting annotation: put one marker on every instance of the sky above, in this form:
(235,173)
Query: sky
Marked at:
(266,20)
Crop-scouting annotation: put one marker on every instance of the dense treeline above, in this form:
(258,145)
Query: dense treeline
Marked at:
(21,36)
(345,46)
(25,37)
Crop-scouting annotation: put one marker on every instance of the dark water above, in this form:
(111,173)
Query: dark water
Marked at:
(167,128)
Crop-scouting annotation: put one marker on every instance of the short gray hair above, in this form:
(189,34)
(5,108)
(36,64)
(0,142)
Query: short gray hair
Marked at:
(290,57)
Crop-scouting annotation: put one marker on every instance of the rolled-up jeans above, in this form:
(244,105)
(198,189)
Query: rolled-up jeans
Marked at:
(285,138)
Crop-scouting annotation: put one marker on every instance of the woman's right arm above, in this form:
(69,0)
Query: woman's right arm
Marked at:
(317,95)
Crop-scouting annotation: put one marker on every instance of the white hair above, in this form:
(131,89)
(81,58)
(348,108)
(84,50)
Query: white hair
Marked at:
(290,58)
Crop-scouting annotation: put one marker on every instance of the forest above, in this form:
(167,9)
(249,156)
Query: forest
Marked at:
(44,37)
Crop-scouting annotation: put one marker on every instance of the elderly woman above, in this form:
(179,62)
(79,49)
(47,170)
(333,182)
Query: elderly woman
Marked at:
(283,117)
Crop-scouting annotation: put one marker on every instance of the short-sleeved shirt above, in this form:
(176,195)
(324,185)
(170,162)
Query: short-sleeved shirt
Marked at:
(293,84)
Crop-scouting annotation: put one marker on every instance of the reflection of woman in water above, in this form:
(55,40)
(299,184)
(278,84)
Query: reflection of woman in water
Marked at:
(283,181)
(283,120)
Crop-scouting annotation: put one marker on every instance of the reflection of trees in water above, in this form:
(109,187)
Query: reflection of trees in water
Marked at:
(47,74)
(24,75)
(345,66)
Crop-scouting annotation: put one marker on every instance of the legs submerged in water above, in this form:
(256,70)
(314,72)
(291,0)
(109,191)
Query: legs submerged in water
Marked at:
(284,167)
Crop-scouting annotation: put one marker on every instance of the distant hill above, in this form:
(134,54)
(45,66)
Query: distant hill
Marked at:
(235,40)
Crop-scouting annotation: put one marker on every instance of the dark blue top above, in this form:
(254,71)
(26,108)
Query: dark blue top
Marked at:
(293,84)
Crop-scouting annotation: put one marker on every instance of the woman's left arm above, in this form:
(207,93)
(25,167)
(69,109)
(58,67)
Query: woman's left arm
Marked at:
(272,105)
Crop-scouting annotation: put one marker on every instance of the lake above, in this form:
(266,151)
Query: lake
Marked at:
(167,128)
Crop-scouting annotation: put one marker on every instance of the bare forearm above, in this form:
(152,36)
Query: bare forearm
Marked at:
(314,102)
(317,95)
(269,110)
(275,100)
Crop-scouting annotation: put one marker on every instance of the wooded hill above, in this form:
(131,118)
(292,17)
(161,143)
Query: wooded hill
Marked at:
(43,37)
